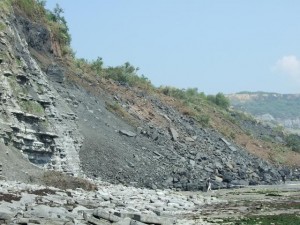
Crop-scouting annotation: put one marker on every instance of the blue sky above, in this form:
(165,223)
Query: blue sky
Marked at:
(215,45)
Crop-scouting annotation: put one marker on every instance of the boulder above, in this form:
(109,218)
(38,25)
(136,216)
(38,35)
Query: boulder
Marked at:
(189,139)
(56,73)
(104,214)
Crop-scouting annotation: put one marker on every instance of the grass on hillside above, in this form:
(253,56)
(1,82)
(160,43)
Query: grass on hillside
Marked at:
(17,89)
(34,9)
(5,6)
(32,107)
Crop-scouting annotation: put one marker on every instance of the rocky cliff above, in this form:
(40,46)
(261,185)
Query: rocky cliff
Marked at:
(59,120)
(34,118)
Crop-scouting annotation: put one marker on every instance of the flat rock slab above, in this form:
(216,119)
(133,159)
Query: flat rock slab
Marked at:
(174,133)
(127,133)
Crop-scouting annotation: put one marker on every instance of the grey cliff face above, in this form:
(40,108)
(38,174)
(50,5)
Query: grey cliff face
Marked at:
(33,116)
(59,125)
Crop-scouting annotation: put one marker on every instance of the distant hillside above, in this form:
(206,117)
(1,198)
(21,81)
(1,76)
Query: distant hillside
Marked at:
(272,107)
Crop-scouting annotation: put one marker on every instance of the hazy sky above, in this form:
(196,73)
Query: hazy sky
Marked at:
(215,45)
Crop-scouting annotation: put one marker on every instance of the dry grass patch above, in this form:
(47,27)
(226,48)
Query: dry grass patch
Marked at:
(63,181)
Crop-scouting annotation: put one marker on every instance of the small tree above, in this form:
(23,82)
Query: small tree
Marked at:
(222,101)
(191,92)
(97,65)
(219,100)
(128,68)
(211,98)
(63,29)
(293,141)
(58,13)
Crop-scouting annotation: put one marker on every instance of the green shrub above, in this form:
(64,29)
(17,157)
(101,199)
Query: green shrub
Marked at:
(35,10)
(293,141)
(58,25)
(202,119)
(97,65)
(220,100)
(177,93)
(127,74)
(191,95)
(117,74)
(192,99)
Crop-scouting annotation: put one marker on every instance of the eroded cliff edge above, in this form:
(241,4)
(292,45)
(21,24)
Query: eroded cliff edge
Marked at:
(60,121)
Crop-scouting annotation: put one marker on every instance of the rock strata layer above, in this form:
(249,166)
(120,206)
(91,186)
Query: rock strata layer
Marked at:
(33,116)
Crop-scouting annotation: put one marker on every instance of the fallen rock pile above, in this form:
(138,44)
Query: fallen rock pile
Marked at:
(111,204)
